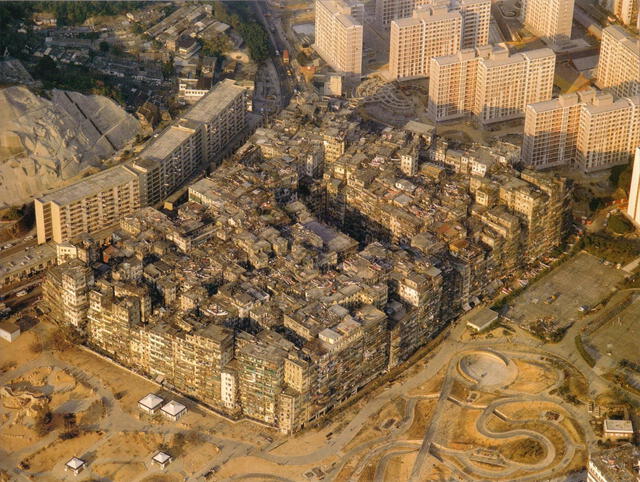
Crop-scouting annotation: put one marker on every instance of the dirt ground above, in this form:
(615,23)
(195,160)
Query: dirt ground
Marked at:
(423,414)
(532,378)
(399,467)
(61,451)
(392,410)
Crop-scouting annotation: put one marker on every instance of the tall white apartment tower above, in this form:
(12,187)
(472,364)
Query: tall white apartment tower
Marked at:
(608,132)
(549,19)
(339,35)
(628,11)
(476,16)
(634,192)
(507,83)
(430,32)
(489,82)
(619,63)
(551,130)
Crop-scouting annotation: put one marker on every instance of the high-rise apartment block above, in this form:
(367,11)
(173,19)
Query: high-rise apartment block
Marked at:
(476,16)
(198,138)
(551,130)
(634,191)
(430,32)
(587,128)
(628,11)
(619,64)
(339,35)
(549,19)
(489,83)
(608,132)
(87,206)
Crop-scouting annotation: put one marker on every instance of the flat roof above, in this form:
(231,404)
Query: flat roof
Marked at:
(482,318)
(619,426)
(25,259)
(173,408)
(102,181)
(167,142)
(9,326)
(151,401)
(215,101)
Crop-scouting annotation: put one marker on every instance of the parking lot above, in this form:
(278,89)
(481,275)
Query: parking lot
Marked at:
(583,281)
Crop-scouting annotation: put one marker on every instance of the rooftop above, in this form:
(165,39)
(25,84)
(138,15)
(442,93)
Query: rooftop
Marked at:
(100,182)
(618,426)
(166,143)
(215,102)
(173,408)
(75,463)
(151,401)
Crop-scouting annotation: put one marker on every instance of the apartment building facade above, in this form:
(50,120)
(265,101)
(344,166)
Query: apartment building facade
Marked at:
(339,35)
(608,132)
(628,11)
(507,83)
(588,128)
(619,62)
(430,32)
(549,19)
(551,130)
(87,206)
(476,16)
(489,83)
(633,210)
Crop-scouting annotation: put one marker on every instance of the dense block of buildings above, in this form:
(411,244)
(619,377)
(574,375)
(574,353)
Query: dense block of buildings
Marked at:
(617,464)
(549,19)
(196,140)
(489,83)
(339,35)
(321,256)
(619,62)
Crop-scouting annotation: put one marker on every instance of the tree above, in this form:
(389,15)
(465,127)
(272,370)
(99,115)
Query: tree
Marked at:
(168,69)
(137,28)
(46,69)
(42,423)
(104,46)
(216,45)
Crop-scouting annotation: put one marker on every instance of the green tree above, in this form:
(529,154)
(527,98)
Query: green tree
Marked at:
(216,44)
(104,46)
(168,69)
(46,69)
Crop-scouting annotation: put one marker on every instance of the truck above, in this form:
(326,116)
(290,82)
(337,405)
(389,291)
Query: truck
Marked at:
(285,56)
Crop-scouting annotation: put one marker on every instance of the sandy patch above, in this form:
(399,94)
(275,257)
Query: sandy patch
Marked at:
(60,451)
(119,471)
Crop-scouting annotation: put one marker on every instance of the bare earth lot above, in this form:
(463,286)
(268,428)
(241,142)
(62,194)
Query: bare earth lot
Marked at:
(581,281)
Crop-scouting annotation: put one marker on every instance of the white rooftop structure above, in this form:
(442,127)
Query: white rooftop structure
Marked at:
(75,464)
(618,426)
(482,319)
(150,401)
(162,458)
(174,409)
